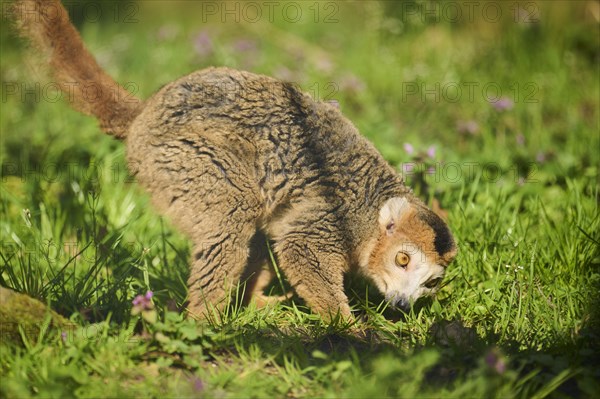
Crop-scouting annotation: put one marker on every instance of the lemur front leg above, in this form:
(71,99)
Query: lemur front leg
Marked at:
(314,262)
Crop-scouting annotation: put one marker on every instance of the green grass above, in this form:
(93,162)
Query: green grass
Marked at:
(518,315)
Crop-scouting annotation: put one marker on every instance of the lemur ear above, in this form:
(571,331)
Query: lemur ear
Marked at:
(391,212)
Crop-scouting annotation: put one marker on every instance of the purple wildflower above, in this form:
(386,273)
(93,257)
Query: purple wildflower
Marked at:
(63,336)
(503,104)
(520,139)
(409,148)
(408,167)
(143,302)
(470,127)
(540,157)
(431,152)
(197,384)
(203,43)
(245,45)
(495,361)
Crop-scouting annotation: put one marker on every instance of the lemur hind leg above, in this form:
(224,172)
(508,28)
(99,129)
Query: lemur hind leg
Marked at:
(219,258)
(208,192)
(259,274)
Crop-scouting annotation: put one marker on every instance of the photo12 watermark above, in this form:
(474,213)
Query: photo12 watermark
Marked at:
(469,91)
(456,172)
(122,12)
(326,12)
(436,11)
(52,92)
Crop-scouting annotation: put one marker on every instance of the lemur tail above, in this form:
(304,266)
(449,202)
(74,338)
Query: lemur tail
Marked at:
(86,86)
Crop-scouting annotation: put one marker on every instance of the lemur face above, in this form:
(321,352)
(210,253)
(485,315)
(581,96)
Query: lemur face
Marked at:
(409,259)
(404,273)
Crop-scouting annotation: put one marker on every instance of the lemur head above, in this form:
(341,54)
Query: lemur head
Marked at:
(408,258)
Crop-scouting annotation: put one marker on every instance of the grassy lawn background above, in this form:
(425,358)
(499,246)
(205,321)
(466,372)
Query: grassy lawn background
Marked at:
(518,315)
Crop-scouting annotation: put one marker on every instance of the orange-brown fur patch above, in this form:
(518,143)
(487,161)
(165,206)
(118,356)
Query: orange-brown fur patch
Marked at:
(410,229)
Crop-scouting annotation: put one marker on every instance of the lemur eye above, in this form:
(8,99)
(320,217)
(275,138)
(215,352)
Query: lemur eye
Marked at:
(402,259)
(433,283)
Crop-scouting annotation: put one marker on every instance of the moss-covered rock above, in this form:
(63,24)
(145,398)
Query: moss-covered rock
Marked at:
(19,312)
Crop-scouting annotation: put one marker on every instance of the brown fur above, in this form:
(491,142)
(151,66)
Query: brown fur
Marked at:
(233,157)
(88,88)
